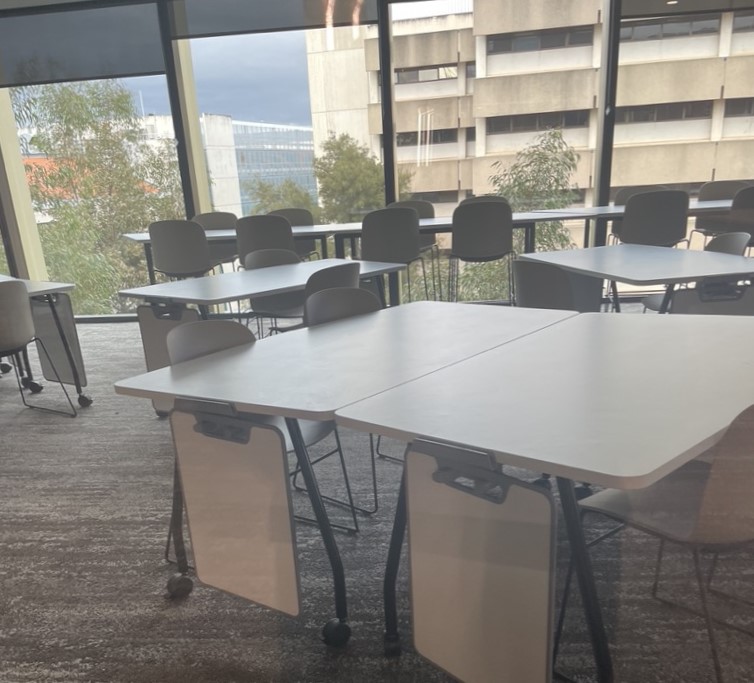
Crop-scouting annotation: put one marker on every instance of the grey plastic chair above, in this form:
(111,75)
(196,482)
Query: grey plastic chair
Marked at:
(17,332)
(197,339)
(704,506)
(727,243)
(707,224)
(337,303)
(179,248)
(656,218)
(481,231)
(391,235)
(254,233)
(427,243)
(305,248)
(218,220)
(543,285)
(621,197)
(274,306)
(483,198)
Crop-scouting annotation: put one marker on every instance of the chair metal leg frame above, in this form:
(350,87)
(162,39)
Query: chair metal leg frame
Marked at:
(384,456)
(424,277)
(73,412)
(348,505)
(175,528)
(336,632)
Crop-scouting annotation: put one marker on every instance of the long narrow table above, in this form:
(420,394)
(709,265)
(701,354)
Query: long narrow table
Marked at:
(608,399)
(639,264)
(346,361)
(55,325)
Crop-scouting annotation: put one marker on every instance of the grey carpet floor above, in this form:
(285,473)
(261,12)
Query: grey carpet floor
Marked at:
(84,506)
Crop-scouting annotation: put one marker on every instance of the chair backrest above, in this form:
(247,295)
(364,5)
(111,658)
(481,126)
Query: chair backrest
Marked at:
(202,337)
(264,258)
(726,509)
(342,275)
(716,189)
(263,232)
(390,235)
(743,199)
(216,220)
(621,197)
(16,322)
(482,230)
(179,248)
(424,208)
(295,216)
(729,243)
(483,198)
(543,285)
(656,218)
(328,305)
(712,297)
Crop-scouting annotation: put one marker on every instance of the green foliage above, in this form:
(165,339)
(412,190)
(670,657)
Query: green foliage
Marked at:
(268,196)
(539,178)
(351,180)
(98,179)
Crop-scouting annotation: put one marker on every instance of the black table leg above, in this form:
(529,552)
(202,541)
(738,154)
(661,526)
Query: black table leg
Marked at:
(150,263)
(394,285)
(340,246)
(530,237)
(336,632)
(392,636)
(667,298)
(583,567)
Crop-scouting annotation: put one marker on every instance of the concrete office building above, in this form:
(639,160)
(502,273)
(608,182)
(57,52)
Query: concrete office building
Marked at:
(474,87)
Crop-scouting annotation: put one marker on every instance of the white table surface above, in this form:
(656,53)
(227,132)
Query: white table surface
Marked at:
(615,400)
(310,373)
(240,284)
(41,287)
(638,264)
(616,211)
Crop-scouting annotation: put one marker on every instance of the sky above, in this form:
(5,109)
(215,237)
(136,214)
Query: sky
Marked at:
(260,77)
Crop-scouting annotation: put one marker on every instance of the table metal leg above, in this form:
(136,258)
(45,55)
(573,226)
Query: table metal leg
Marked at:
(530,237)
(585,577)
(179,584)
(340,246)
(150,263)
(667,298)
(323,245)
(394,285)
(616,298)
(392,636)
(336,632)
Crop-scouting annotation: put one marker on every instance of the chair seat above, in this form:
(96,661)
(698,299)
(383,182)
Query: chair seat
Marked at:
(669,508)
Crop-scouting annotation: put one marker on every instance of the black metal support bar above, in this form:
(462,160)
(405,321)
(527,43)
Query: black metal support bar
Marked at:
(176,523)
(585,576)
(386,101)
(392,636)
(179,126)
(150,262)
(50,298)
(606,107)
(339,580)
(530,237)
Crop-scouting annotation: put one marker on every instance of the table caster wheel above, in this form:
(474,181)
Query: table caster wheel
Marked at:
(336,633)
(392,646)
(5,368)
(179,586)
(34,387)
(84,401)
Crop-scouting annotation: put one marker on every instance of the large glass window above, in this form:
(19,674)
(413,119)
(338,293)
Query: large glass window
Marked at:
(670,27)
(97,167)
(540,40)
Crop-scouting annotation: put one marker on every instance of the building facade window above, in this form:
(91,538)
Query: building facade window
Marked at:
(531,41)
(522,123)
(743,21)
(670,27)
(434,137)
(471,70)
(673,111)
(423,74)
(438,197)
(739,106)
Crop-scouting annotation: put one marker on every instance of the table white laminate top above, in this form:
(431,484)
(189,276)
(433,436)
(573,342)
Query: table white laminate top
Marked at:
(310,373)
(40,287)
(615,400)
(616,211)
(240,284)
(643,265)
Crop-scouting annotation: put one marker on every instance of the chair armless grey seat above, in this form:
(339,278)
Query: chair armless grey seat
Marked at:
(305,248)
(179,248)
(656,218)
(218,220)
(254,233)
(708,225)
(543,285)
(391,235)
(621,197)
(427,243)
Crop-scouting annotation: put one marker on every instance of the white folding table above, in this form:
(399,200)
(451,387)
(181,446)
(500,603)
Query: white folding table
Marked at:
(639,264)
(335,365)
(557,401)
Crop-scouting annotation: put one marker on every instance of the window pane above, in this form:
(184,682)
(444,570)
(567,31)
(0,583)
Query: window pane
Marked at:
(553,119)
(647,32)
(526,43)
(524,122)
(447,72)
(676,28)
(701,26)
(553,39)
(580,37)
(743,21)
(669,112)
(97,168)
